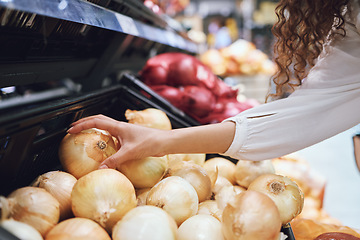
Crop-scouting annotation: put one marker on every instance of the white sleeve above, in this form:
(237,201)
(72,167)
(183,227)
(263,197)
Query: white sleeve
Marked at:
(327,103)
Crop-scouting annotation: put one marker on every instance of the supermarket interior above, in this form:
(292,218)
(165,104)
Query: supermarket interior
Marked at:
(200,62)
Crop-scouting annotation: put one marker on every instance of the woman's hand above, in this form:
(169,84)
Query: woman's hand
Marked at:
(136,141)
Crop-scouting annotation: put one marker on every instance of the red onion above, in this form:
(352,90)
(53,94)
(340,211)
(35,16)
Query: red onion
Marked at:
(154,75)
(199,101)
(172,94)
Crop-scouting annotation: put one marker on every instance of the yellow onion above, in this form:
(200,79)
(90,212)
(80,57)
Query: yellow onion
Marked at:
(251,215)
(34,206)
(176,196)
(150,117)
(195,175)
(60,185)
(145,223)
(103,195)
(145,172)
(226,194)
(210,207)
(141,195)
(83,152)
(220,183)
(247,171)
(225,167)
(198,158)
(21,230)
(283,191)
(200,227)
(77,228)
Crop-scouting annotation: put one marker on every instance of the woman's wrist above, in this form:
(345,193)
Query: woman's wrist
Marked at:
(211,138)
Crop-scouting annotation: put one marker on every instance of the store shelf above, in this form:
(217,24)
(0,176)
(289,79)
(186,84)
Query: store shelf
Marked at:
(93,15)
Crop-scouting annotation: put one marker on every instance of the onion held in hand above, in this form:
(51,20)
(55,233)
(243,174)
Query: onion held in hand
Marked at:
(83,152)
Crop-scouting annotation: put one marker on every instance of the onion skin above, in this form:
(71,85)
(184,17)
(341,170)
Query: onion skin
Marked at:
(141,195)
(36,207)
(150,117)
(60,185)
(200,227)
(336,236)
(145,222)
(145,172)
(195,175)
(176,196)
(226,194)
(286,194)
(77,228)
(248,171)
(103,195)
(83,152)
(210,207)
(225,167)
(21,230)
(251,216)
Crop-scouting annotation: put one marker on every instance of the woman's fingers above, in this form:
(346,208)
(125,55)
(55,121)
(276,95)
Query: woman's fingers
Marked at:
(100,122)
(113,161)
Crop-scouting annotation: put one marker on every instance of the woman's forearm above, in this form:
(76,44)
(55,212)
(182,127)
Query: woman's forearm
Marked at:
(212,138)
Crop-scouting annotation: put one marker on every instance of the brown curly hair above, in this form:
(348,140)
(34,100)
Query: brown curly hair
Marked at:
(301,30)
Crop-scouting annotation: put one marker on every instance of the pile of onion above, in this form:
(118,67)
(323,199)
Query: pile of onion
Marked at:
(247,171)
(149,117)
(60,185)
(200,226)
(145,222)
(251,215)
(104,196)
(176,196)
(195,175)
(83,152)
(210,207)
(286,194)
(145,172)
(77,228)
(198,158)
(33,206)
(226,194)
(223,166)
(20,230)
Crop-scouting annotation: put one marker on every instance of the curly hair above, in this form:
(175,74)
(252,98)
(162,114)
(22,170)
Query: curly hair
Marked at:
(301,30)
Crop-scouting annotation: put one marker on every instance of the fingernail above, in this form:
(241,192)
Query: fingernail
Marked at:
(69,129)
(103,167)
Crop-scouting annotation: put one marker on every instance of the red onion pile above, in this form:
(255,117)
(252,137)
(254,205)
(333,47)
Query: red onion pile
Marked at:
(192,87)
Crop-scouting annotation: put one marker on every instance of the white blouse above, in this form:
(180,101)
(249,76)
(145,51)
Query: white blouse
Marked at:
(327,103)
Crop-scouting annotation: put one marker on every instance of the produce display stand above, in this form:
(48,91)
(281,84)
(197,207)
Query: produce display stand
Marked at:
(60,61)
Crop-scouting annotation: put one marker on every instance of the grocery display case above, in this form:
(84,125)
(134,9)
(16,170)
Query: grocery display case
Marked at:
(61,60)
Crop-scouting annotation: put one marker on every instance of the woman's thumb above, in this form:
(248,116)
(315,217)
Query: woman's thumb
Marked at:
(111,162)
